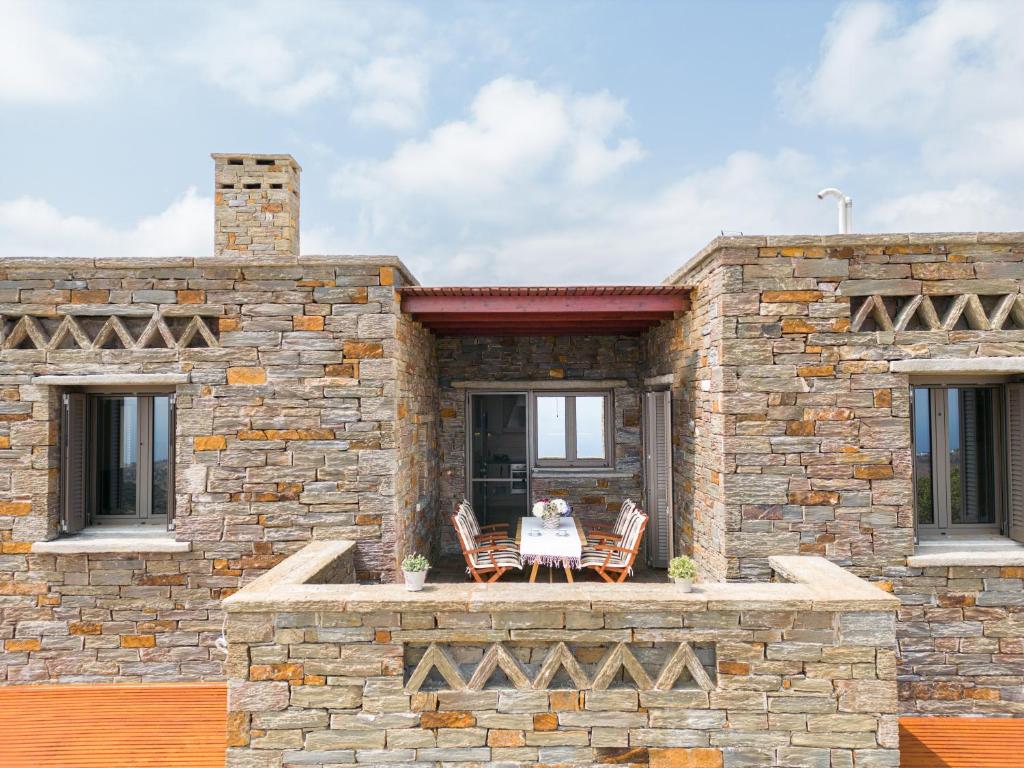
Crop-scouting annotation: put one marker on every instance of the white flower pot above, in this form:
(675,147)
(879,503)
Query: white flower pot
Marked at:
(414,580)
(551,523)
(685,585)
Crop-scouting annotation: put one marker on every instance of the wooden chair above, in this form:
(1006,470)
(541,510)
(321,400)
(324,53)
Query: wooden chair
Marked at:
(496,533)
(613,534)
(614,562)
(487,559)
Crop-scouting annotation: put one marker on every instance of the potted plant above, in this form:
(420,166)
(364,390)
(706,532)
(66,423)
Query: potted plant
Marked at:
(415,568)
(682,570)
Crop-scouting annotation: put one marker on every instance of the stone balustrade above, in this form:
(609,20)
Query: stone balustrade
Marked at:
(321,672)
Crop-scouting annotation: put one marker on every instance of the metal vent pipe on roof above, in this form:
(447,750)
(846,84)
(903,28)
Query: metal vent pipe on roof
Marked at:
(845,205)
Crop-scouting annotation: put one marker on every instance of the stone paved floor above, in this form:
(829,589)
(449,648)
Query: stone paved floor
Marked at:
(453,570)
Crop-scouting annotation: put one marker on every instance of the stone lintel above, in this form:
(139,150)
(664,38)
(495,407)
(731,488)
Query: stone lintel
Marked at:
(111,379)
(952,365)
(556,384)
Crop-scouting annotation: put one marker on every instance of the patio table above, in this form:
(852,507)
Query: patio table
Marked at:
(553,547)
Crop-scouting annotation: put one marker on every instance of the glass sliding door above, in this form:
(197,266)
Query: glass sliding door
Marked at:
(498,475)
(958,458)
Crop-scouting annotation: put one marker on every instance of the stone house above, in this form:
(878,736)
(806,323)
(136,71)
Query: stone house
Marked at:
(171,429)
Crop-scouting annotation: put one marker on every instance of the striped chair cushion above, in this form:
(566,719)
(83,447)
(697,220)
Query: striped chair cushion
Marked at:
(592,556)
(503,557)
(465,511)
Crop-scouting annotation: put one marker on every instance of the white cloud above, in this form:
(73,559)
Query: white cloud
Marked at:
(951,78)
(520,145)
(391,92)
(370,57)
(44,61)
(33,227)
(970,205)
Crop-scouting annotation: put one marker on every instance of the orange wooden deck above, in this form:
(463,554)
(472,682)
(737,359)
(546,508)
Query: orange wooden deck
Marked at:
(100,726)
(961,742)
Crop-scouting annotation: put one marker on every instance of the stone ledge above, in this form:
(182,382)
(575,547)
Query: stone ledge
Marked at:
(952,365)
(818,586)
(142,261)
(968,557)
(115,541)
(839,241)
(111,379)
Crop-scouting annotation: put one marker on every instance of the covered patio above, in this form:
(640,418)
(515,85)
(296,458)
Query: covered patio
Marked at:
(547,393)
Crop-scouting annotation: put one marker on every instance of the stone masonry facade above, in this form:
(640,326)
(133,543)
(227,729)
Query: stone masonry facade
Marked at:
(308,407)
(799,417)
(288,396)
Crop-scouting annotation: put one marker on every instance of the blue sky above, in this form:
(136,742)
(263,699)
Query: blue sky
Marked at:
(514,142)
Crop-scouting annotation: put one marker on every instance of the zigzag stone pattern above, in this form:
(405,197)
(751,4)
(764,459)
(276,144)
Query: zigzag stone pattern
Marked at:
(110,330)
(468,667)
(965,311)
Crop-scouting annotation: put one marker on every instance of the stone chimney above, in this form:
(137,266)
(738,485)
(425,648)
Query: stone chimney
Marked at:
(257,205)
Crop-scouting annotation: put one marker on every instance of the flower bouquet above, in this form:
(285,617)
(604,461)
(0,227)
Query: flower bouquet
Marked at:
(550,511)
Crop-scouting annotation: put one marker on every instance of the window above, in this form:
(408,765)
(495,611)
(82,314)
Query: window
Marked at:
(572,430)
(959,458)
(117,459)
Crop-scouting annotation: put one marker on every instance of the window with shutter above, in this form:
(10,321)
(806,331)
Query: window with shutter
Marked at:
(117,459)
(959,457)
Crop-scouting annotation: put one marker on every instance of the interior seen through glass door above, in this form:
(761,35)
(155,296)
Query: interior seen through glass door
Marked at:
(958,458)
(498,458)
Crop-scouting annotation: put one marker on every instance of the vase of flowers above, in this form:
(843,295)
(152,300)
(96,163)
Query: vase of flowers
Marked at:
(415,568)
(550,511)
(682,570)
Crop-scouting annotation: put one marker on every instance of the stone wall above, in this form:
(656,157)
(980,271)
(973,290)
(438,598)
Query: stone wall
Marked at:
(595,495)
(418,519)
(961,639)
(811,425)
(286,412)
(684,349)
(516,675)
(129,617)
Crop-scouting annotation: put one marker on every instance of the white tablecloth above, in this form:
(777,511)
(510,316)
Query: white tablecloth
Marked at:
(550,548)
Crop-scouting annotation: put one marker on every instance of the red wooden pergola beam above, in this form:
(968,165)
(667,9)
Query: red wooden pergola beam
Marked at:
(543,311)
(547,304)
(539,317)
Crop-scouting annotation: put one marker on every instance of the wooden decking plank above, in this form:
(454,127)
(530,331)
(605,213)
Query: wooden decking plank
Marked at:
(961,742)
(178,725)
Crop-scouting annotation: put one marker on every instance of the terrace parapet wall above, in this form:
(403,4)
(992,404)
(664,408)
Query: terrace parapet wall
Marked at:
(286,376)
(798,673)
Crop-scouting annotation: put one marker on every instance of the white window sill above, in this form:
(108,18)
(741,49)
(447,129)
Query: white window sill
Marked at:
(113,541)
(980,551)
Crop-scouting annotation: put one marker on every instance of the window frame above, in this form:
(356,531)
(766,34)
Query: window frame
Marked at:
(571,460)
(143,515)
(943,525)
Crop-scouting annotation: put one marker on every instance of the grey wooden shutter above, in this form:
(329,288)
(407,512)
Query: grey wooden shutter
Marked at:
(1015,459)
(658,492)
(73,462)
